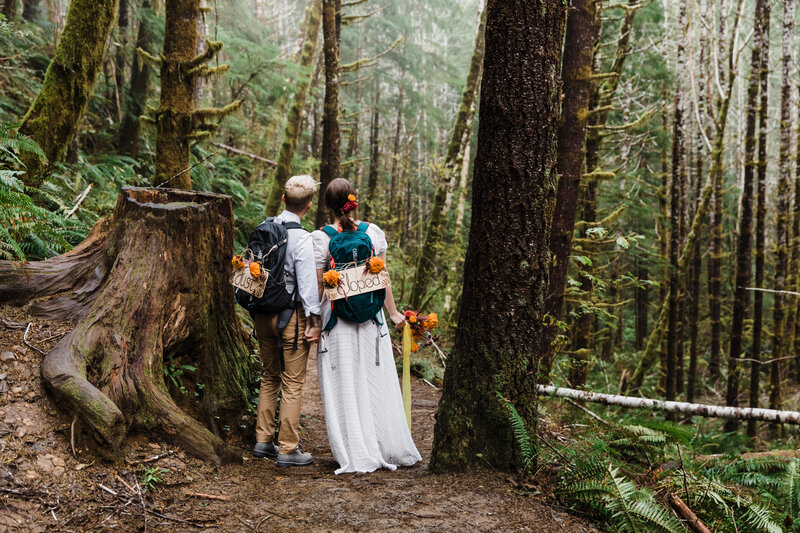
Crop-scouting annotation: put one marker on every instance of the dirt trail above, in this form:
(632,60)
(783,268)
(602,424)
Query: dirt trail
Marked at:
(44,488)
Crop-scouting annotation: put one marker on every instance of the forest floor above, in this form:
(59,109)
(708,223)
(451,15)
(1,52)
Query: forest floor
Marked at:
(43,487)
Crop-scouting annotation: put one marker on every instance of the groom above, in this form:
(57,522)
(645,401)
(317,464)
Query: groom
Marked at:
(289,375)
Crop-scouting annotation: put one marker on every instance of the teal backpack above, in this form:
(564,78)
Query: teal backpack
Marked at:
(350,249)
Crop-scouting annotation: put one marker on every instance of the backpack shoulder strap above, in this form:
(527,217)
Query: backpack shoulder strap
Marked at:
(330,231)
(362,226)
(292,225)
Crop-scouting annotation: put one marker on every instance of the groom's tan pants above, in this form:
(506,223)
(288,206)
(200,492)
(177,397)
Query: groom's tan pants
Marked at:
(290,381)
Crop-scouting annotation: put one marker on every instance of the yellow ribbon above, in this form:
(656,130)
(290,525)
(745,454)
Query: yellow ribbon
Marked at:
(407,373)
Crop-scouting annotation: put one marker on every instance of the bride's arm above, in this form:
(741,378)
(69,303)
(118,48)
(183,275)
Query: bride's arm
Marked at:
(394,315)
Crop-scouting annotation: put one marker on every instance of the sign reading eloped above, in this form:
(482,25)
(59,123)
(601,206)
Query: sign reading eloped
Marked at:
(355,281)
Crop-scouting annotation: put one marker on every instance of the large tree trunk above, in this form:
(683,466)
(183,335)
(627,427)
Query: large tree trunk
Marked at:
(577,70)
(506,271)
(149,290)
(140,80)
(294,121)
(331,139)
(460,135)
(744,238)
(54,118)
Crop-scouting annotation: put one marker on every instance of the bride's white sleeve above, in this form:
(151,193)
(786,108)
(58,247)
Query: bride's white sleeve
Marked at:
(320,240)
(378,238)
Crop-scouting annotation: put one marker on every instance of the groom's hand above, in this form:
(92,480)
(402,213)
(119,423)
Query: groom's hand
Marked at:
(313,328)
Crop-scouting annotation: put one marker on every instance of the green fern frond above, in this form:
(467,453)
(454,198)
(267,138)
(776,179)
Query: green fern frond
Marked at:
(524,442)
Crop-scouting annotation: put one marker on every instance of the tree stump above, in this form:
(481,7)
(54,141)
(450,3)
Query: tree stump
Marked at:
(148,288)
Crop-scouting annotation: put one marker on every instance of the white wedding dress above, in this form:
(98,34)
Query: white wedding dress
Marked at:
(361,396)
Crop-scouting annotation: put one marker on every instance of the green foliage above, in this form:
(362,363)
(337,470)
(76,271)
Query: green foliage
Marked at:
(526,446)
(152,476)
(174,372)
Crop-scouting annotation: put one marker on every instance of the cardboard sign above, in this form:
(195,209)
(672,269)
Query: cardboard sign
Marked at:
(354,281)
(242,279)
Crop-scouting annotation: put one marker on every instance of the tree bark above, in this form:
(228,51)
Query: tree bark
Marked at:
(331,139)
(55,116)
(642,305)
(294,121)
(743,277)
(10,9)
(142,305)
(577,72)
(374,155)
(435,230)
(506,271)
(136,100)
(675,288)
(31,10)
(779,330)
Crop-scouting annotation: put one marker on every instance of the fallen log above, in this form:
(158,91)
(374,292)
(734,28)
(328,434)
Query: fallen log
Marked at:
(684,408)
(774,454)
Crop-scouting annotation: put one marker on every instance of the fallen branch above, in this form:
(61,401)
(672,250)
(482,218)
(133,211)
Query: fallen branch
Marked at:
(207,496)
(778,454)
(153,458)
(687,514)
(10,324)
(25,339)
(684,408)
(79,200)
(270,162)
(590,413)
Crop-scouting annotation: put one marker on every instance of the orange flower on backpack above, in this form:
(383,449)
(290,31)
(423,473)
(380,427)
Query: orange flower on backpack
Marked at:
(331,278)
(255,269)
(237,262)
(375,264)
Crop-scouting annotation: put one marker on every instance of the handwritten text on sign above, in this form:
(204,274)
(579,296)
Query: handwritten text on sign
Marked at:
(354,281)
(242,279)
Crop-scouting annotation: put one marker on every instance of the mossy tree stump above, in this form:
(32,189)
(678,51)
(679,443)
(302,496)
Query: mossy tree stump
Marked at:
(147,287)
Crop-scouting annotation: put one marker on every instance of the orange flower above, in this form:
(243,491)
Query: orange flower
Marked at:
(331,278)
(255,269)
(414,346)
(237,262)
(351,197)
(376,264)
(432,321)
(412,319)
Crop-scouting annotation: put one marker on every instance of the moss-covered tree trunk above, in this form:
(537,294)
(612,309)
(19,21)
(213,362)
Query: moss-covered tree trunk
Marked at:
(174,118)
(500,335)
(149,291)
(459,137)
(55,116)
(331,139)
(577,73)
(744,237)
(136,96)
(294,121)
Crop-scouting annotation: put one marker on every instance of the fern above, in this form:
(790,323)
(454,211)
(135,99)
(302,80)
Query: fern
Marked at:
(526,447)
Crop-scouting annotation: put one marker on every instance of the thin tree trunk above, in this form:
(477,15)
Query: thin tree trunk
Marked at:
(374,154)
(779,329)
(31,10)
(581,30)
(393,178)
(642,305)
(294,120)
(139,84)
(10,9)
(55,116)
(741,297)
(435,229)
(331,139)
(515,179)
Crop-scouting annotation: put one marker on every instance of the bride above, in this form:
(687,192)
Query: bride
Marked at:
(364,414)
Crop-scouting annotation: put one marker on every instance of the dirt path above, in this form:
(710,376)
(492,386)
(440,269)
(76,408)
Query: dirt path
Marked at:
(44,488)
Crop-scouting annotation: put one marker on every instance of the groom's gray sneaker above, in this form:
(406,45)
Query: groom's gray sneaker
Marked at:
(296,458)
(265,449)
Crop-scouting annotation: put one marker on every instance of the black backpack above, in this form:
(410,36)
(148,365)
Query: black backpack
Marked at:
(268,244)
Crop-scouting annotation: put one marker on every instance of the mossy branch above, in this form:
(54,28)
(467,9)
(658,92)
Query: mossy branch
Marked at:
(204,71)
(201,116)
(369,61)
(212,49)
(610,219)
(147,120)
(354,19)
(145,56)
(598,176)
